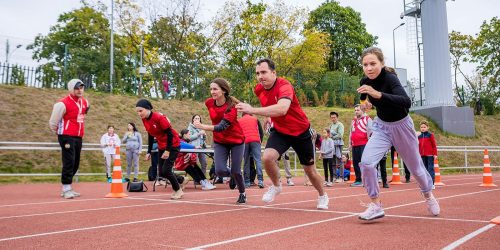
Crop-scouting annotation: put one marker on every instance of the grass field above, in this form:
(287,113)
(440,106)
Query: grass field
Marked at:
(25,112)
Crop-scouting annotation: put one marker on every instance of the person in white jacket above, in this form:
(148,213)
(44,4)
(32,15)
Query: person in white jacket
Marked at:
(109,141)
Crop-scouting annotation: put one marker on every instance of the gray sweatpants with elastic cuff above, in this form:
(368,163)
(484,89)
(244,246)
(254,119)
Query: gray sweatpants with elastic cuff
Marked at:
(401,134)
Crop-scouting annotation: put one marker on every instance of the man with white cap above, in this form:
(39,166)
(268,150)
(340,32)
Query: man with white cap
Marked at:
(67,121)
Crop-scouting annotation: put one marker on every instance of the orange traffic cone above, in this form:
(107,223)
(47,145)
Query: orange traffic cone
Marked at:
(487,176)
(437,174)
(352,174)
(396,179)
(116,183)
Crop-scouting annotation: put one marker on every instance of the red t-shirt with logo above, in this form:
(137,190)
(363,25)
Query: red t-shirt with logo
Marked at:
(233,134)
(295,121)
(156,126)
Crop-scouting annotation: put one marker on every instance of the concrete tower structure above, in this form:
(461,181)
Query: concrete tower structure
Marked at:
(439,104)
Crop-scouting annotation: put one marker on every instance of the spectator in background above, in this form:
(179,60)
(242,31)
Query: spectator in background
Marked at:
(427,148)
(198,139)
(109,142)
(67,121)
(327,149)
(337,134)
(187,162)
(358,137)
(252,130)
(133,145)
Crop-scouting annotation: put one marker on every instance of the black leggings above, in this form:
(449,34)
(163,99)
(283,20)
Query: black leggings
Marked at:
(166,166)
(195,172)
(328,166)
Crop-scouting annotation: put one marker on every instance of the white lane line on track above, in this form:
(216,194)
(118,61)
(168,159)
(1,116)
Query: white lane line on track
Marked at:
(164,194)
(201,200)
(205,213)
(314,223)
(79,210)
(468,237)
(118,224)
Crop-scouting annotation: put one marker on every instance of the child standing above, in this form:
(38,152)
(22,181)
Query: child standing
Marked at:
(326,150)
(427,148)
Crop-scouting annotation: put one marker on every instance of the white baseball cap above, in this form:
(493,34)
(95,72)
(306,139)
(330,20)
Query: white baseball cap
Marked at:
(75,84)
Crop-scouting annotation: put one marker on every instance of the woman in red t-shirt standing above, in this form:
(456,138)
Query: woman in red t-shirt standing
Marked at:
(158,126)
(227,134)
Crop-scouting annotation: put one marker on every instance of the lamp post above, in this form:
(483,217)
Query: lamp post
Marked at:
(111,51)
(394,42)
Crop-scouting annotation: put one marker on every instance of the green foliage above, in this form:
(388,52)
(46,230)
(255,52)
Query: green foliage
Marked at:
(348,35)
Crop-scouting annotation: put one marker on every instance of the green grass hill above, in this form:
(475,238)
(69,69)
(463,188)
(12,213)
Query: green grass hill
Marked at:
(24,115)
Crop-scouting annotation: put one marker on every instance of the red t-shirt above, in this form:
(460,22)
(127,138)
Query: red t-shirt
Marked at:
(233,134)
(156,126)
(295,121)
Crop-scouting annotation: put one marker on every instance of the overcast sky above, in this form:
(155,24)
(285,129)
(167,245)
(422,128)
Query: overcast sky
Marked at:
(22,20)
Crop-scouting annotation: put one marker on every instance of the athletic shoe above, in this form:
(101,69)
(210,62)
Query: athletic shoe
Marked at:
(261,184)
(206,185)
(126,179)
(374,211)
(385,185)
(323,202)
(338,180)
(242,199)
(324,183)
(329,184)
(357,184)
(109,179)
(432,204)
(76,194)
(289,182)
(247,184)
(68,195)
(433,187)
(232,183)
(271,193)
(184,182)
(177,194)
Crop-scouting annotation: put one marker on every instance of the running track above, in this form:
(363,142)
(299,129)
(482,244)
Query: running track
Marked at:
(33,216)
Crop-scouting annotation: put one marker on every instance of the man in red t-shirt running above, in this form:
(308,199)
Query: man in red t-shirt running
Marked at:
(291,128)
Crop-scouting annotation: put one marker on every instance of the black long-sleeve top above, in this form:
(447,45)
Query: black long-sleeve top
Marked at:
(394,104)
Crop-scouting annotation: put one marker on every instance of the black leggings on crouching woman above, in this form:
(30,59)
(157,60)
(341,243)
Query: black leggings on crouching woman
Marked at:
(166,166)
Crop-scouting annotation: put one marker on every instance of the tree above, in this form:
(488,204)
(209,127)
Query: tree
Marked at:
(184,51)
(81,38)
(348,35)
(460,52)
(486,52)
(253,31)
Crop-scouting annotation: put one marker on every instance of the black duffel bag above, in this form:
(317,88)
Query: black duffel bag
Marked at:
(136,186)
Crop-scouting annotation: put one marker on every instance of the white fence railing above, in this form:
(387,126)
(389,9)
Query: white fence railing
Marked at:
(17,146)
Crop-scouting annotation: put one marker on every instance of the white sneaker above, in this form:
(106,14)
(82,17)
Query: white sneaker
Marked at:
(329,184)
(271,193)
(432,205)
(433,187)
(289,182)
(374,211)
(323,202)
(177,194)
(206,185)
(68,195)
(76,194)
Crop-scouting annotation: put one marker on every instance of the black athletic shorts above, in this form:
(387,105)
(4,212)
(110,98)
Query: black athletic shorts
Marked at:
(302,144)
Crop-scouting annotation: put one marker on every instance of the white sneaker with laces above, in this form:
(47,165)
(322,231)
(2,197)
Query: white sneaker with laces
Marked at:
(271,193)
(432,204)
(374,211)
(206,185)
(289,182)
(68,195)
(323,202)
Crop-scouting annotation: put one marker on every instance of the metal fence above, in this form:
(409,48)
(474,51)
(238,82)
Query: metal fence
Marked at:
(469,152)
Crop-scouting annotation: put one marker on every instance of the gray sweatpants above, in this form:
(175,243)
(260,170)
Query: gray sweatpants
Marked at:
(401,134)
(221,155)
(132,159)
